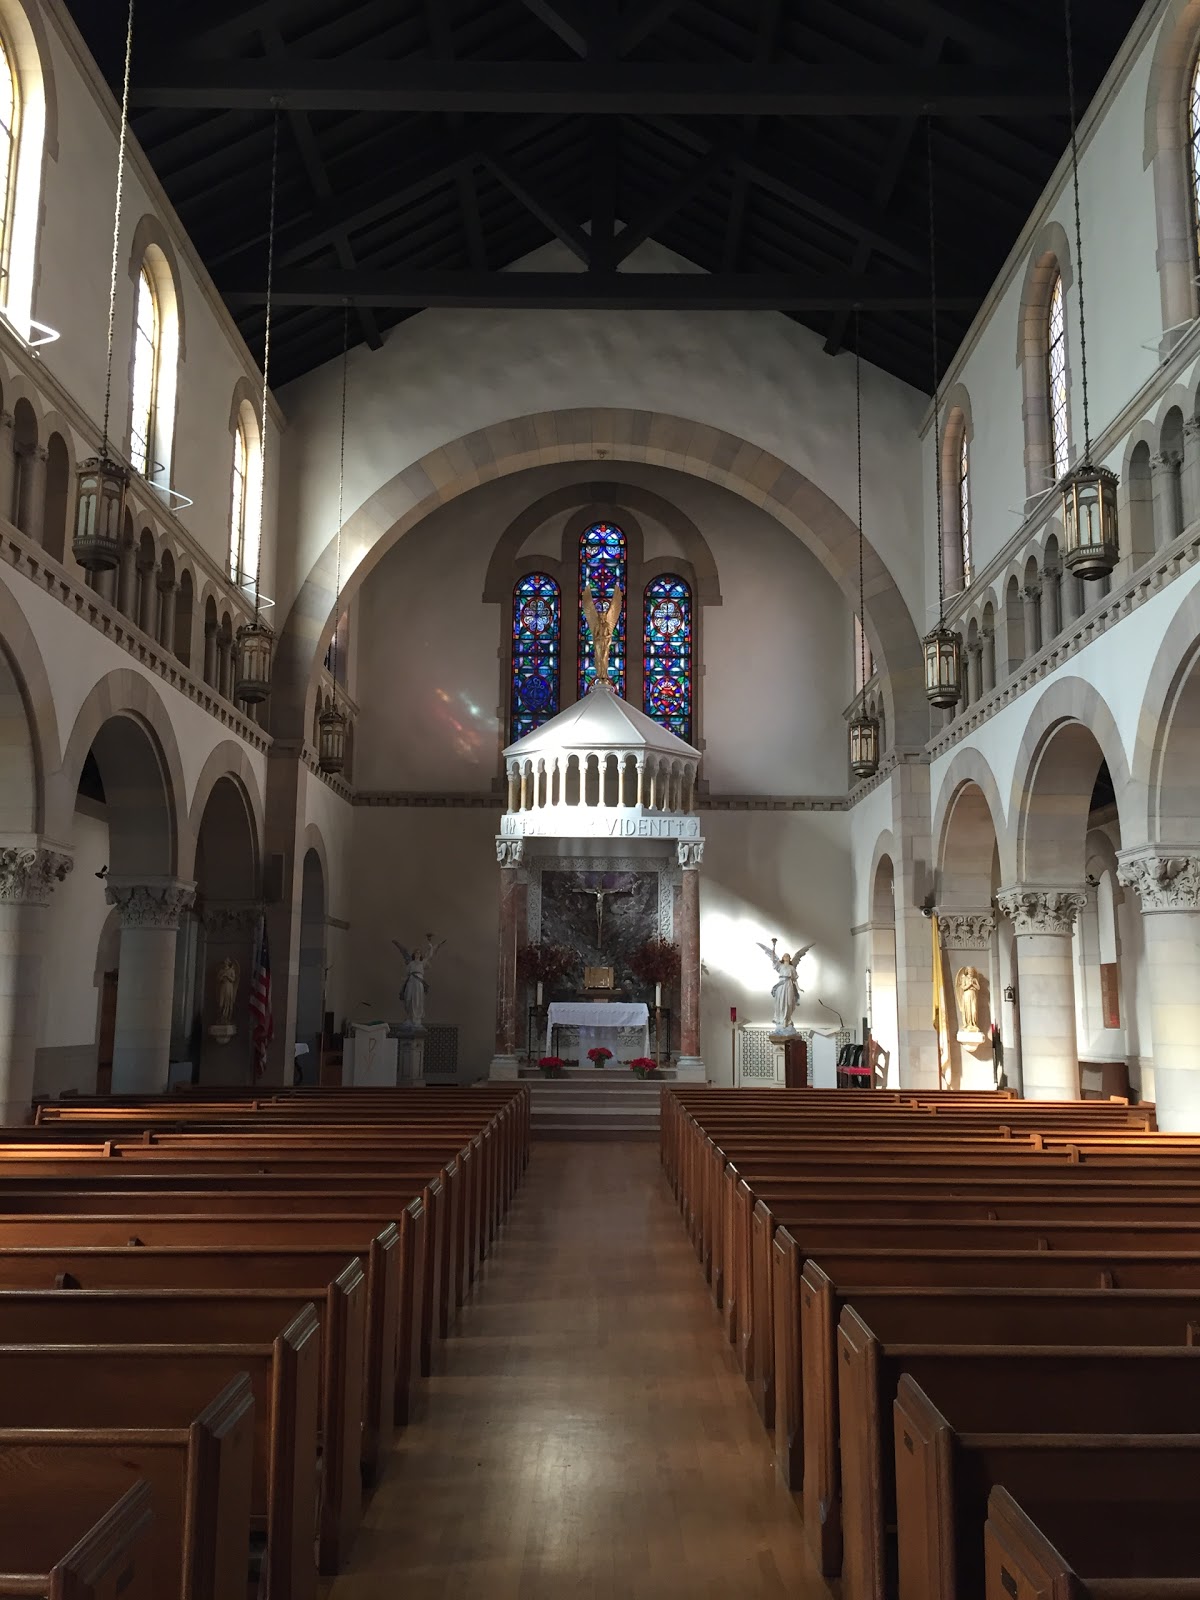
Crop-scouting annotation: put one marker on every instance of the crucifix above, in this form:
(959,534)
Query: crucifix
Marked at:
(601,895)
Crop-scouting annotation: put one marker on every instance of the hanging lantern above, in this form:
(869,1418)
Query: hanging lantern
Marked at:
(99,513)
(864,745)
(331,740)
(1089,499)
(943,667)
(252,684)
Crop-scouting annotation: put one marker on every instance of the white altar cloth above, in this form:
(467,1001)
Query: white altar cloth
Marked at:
(594,1017)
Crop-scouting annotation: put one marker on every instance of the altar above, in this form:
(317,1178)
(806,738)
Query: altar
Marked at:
(597,1021)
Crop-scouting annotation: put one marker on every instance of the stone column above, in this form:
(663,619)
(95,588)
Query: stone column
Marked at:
(1072,602)
(147,598)
(915,1041)
(1031,597)
(1168,884)
(1190,476)
(210,656)
(974,673)
(1042,920)
(8,467)
(31,513)
(514,894)
(1050,604)
(689,853)
(149,911)
(127,579)
(1168,507)
(28,873)
(166,614)
(224,683)
(989,659)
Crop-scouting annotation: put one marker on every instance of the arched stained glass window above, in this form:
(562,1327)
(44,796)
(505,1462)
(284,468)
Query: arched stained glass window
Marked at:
(1194,144)
(602,566)
(667,654)
(964,507)
(1056,363)
(536,643)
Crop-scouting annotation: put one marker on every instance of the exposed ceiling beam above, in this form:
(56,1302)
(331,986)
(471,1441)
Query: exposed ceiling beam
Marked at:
(672,199)
(519,186)
(648,15)
(645,291)
(600,88)
(561,20)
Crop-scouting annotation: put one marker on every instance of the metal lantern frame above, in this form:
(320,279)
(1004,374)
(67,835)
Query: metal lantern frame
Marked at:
(864,745)
(1089,506)
(332,727)
(255,648)
(943,667)
(102,486)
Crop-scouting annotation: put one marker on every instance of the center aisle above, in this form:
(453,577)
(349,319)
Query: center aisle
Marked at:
(590,1435)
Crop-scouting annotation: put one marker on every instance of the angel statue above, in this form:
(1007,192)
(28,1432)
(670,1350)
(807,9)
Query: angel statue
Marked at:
(416,986)
(786,992)
(602,627)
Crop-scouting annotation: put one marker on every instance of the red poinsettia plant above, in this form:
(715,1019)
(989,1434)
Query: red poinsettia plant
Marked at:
(553,1067)
(545,963)
(656,961)
(644,1066)
(598,1055)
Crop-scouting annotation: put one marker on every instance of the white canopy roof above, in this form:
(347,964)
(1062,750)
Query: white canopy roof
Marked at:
(601,721)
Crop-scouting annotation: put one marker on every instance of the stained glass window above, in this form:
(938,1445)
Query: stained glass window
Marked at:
(667,658)
(602,566)
(1056,360)
(536,642)
(964,508)
(1194,140)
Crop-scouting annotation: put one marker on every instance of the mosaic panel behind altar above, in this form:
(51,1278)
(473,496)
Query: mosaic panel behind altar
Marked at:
(631,916)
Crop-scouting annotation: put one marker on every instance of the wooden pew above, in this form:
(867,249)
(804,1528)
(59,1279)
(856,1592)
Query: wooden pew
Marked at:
(1115,1484)
(1022,1560)
(91,1548)
(230,1316)
(109,1386)
(199,1473)
(951,1316)
(980,1387)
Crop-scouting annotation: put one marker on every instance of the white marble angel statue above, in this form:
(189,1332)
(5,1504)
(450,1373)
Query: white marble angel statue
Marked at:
(602,625)
(416,986)
(786,992)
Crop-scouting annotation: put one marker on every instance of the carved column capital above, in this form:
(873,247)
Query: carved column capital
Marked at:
(1032,592)
(1165,879)
(231,920)
(1042,911)
(966,930)
(689,853)
(1165,461)
(154,903)
(509,852)
(28,873)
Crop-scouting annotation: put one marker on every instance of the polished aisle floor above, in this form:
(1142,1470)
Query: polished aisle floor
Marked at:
(589,1435)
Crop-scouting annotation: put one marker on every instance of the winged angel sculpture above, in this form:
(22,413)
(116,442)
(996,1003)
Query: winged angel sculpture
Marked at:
(602,625)
(416,986)
(786,993)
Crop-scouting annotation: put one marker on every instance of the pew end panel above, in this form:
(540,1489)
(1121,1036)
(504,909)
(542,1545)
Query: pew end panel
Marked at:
(106,1547)
(344,1336)
(926,1562)
(818,1380)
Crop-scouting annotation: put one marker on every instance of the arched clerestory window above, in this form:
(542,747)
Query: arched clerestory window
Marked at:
(147,358)
(602,568)
(535,692)
(10,125)
(1056,372)
(964,508)
(667,654)
(245,507)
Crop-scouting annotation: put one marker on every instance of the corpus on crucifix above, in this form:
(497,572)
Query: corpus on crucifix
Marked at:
(601,896)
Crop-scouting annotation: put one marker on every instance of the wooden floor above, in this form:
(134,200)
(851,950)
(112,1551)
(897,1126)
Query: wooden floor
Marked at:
(589,1435)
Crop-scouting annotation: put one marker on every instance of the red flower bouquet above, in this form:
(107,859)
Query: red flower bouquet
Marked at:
(553,1067)
(598,1055)
(644,1066)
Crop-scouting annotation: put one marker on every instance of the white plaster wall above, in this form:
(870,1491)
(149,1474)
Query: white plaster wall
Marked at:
(775,655)
(75,918)
(443,374)
(334,818)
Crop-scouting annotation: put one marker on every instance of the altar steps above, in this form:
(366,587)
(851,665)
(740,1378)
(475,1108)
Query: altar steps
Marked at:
(577,1107)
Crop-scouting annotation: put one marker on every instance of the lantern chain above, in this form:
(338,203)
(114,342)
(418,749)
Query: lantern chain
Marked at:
(933,320)
(1087,431)
(337,590)
(862,619)
(112,274)
(266,368)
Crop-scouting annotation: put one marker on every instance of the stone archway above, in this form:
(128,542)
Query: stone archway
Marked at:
(589,434)
(968,877)
(220,929)
(310,984)
(883,1012)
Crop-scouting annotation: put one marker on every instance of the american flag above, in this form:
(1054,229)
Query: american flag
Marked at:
(260,1000)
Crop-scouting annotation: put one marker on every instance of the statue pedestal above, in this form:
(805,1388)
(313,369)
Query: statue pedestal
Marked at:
(690,1069)
(504,1069)
(410,1054)
(222,1032)
(371,1057)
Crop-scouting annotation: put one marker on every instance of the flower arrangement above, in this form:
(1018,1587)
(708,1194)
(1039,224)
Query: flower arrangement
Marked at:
(656,961)
(599,1056)
(644,1067)
(545,963)
(553,1067)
